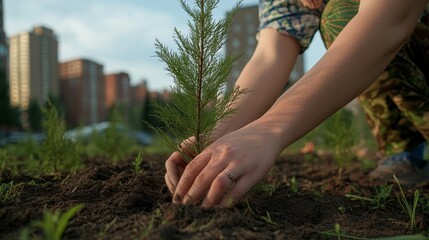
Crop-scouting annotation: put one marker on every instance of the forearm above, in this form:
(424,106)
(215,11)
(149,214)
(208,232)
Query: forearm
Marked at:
(264,78)
(359,54)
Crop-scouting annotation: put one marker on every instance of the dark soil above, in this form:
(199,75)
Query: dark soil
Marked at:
(122,205)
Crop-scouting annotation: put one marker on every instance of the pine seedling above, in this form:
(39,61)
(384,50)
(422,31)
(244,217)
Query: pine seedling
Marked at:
(199,99)
(57,153)
(137,163)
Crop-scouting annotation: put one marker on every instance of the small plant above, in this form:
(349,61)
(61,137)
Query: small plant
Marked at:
(268,219)
(137,163)
(339,234)
(380,200)
(294,184)
(113,142)
(54,223)
(341,138)
(3,159)
(406,206)
(9,191)
(198,100)
(342,209)
(57,152)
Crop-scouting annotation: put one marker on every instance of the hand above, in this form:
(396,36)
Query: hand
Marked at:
(175,164)
(224,172)
(312,4)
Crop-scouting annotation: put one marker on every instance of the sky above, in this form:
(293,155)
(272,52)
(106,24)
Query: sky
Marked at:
(119,34)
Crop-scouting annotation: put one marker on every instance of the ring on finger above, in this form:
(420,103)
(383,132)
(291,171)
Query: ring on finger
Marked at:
(230,175)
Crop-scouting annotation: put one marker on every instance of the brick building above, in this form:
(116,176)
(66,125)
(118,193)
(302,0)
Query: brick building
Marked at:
(83,91)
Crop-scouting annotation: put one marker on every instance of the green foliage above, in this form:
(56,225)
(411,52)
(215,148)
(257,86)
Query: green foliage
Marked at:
(113,142)
(9,116)
(409,208)
(199,70)
(268,219)
(380,199)
(294,185)
(137,163)
(340,136)
(57,153)
(35,116)
(54,223)
(9,191)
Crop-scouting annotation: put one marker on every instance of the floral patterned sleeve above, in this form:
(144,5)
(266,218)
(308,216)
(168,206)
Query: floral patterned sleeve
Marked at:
(291,18)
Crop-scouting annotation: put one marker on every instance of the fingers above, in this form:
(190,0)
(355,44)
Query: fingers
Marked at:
(189,176)
(174,168)
(219,188)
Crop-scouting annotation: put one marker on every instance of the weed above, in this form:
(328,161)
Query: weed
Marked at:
(342,209)
(268,219)
(9,191)
(293,184)
(265,187)
(339,234)
(53,224)
(155,215)
(341,137)
(406,206)
(3,159)
(137,163)
(380,200)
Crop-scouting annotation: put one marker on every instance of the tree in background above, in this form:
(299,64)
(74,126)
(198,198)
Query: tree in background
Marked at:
(35,116)
(9,116)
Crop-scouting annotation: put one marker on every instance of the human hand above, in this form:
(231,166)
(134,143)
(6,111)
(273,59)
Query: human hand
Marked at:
(312,4)
(176,163)
(227,169)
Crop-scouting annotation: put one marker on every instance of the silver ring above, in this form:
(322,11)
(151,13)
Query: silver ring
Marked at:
(229,174)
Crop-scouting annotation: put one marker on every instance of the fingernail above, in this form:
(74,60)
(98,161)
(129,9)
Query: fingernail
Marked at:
(187,199)
(177,199)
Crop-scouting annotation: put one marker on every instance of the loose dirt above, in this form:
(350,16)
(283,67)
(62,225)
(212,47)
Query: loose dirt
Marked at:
(120,204)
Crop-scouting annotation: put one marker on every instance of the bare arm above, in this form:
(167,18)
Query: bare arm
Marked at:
(264,76)
(359,54)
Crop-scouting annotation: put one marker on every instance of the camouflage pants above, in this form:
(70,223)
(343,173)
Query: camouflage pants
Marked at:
(397,103)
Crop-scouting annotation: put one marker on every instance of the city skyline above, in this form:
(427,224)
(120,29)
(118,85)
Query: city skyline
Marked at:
(118,34)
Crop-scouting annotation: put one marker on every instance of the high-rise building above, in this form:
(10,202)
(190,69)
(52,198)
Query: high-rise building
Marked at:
(241,39)
(33,66)
(118,89)
(3,44)
(139,93)
(83,92)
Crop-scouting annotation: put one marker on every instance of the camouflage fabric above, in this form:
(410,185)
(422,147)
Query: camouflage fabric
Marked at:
(291,18)
(397,103)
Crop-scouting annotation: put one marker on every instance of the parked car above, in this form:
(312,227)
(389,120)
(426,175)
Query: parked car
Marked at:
(19,137)
(85,133)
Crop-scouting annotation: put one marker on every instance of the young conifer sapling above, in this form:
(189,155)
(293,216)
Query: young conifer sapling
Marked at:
(199,99)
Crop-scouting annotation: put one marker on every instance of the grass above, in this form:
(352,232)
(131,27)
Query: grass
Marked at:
(380,199)
(9,191)
(409,208)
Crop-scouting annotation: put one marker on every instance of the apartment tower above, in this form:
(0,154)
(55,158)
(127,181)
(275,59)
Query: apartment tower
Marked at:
(33,66)
(117,89)
(3,44)
(241,39)
(83,92)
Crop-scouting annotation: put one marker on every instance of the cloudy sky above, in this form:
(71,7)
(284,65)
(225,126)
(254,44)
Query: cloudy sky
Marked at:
(119,34)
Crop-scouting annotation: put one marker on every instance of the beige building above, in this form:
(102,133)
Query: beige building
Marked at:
(241,39)
(33,66)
